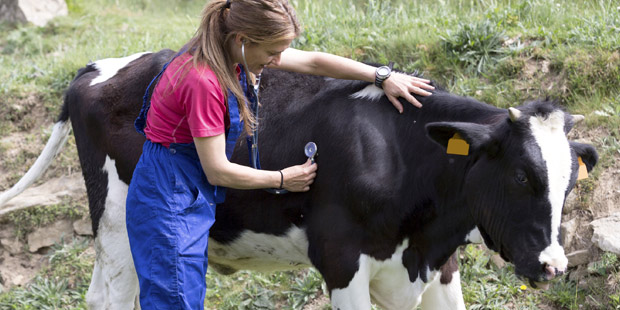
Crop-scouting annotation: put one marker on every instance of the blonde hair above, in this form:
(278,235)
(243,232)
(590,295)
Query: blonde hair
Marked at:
(259,21)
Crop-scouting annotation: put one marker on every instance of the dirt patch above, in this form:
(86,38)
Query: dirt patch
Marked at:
(318,303)
(19,269)
(23,124)
(552,82)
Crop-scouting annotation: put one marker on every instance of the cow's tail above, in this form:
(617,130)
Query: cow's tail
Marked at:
(60,134)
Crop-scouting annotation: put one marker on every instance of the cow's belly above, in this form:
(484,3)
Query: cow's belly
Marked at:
(261,252)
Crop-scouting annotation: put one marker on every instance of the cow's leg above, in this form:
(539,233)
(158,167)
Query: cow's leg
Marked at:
(444,293)
(335,251)
(114,284)
(356,295)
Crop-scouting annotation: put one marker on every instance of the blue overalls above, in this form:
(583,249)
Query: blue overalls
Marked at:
(170,209)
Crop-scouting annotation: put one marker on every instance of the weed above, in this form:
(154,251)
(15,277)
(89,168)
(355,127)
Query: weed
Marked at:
(606,265)
(609,149)
(305,288)
(70,258)
(475,46)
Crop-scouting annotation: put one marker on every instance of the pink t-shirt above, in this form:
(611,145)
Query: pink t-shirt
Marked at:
(186,104)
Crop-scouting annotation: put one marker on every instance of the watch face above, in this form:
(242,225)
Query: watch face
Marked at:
(383,71)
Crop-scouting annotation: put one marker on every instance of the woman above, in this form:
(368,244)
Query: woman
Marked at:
(192,125)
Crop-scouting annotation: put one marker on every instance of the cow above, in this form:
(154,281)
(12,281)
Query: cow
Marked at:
(389,205)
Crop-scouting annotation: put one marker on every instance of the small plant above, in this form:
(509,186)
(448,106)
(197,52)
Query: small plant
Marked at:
(606,265)
(475,46)
(305,288)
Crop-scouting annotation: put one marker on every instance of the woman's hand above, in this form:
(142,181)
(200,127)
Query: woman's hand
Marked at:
(298,178)
(402,85)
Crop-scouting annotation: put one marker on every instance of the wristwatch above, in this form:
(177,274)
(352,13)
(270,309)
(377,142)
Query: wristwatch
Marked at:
(382,73)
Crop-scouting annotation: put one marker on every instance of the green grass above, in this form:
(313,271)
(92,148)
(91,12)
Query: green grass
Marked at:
(253,290)
(503,52)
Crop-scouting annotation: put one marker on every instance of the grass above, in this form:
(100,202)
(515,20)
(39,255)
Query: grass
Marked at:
(503,52)
(253,290)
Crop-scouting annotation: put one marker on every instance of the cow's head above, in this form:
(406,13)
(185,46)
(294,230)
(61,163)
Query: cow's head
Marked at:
(520,171)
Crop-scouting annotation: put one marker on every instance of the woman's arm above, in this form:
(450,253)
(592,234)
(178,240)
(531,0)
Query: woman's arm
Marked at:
(317,63)
(220,171)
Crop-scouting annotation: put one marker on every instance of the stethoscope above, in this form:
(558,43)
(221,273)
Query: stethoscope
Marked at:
(310,150)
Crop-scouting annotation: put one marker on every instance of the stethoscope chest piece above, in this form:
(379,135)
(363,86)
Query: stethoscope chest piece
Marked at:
(310,150)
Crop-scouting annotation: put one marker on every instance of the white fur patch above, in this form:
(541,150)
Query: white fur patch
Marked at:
(370,92)
(474,236)
(550,137)
(114,284)
(109,67)
(263,252)
(387,283)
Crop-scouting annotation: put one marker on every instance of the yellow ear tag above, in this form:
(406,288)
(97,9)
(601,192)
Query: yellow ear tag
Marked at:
(583,171)
(457,146)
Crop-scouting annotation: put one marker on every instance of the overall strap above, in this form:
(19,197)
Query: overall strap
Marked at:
(140,122)
(236,123)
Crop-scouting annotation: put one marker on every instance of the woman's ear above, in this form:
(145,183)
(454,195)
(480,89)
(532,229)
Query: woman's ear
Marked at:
(239,39)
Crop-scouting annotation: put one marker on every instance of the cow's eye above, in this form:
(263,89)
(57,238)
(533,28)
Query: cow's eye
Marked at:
(521,177)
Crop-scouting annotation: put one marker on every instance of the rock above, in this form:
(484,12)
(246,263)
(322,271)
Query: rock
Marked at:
(578,258)
(38,12)
(83,227)
(49,193)
(47,236)
(568,229)
(20,269)
(12,245)
(9,241)
(571,202)
(606,233)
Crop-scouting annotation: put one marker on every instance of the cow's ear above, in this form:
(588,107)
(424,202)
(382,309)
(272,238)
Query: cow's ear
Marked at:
(588,154)
(475,134)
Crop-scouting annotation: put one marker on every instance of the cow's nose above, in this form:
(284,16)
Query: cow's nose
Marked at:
(552,271)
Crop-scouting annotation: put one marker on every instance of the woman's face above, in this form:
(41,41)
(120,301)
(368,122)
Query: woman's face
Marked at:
(260,55)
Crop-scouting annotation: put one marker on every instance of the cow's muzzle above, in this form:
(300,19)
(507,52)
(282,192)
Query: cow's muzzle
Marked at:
(550,273)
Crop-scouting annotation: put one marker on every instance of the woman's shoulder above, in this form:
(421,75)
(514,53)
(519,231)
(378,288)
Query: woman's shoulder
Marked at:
(195,73)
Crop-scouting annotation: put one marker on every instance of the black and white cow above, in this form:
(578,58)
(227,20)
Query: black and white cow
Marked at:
(388,206)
